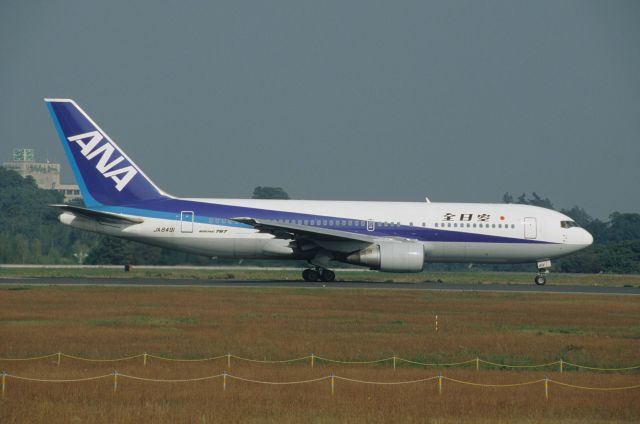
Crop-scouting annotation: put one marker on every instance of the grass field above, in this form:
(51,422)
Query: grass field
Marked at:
(238,273)
(192,322)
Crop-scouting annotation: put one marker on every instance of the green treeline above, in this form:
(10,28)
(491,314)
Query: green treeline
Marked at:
(31,234)
(29,230)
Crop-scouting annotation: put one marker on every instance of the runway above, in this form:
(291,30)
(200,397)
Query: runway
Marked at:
(168,282)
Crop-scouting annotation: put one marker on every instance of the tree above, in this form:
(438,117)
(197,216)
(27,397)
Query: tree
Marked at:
(535,200)
(269,193)
(623,226)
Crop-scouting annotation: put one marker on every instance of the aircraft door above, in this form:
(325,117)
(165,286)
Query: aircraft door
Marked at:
(530,228)
(371,225)
(186,221)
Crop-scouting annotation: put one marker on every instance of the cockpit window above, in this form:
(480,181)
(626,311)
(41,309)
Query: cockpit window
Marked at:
(568,224)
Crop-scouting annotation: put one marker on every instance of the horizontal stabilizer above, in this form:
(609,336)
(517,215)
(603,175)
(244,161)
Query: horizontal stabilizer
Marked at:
(98,215)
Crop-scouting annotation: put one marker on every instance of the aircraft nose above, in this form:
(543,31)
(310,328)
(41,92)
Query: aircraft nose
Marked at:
(585,237)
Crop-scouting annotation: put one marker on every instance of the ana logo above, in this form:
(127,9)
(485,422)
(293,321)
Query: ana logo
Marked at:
(121,176)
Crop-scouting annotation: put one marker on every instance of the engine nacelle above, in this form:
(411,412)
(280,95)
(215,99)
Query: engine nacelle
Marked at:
(391,257)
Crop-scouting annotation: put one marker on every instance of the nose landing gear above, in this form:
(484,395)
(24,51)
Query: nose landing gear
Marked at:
(540,280)
(319,274)
(543,270)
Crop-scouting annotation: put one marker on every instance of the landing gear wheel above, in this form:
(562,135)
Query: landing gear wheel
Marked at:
(310,275)
(540,280)
(328,276)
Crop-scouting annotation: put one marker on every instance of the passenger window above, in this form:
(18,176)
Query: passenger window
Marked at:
(324,222)
(493,225)
(436,224)
(474,225)
(449,224)
(424,224)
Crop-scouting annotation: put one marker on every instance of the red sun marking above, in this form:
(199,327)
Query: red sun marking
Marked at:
(501,218)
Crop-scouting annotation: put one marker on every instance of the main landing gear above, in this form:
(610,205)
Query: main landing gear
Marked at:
(319,274)
(543,270)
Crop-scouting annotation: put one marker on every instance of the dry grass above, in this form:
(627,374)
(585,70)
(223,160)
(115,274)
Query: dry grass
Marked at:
(104,322)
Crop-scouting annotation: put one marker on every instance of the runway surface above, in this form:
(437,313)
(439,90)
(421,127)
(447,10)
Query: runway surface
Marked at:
(167,282)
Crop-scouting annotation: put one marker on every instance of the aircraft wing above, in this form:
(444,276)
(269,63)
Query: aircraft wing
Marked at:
(276,228)
(309,236)
(98,215)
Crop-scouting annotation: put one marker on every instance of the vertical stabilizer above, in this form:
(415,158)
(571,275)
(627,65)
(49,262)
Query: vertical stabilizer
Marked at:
(105,174)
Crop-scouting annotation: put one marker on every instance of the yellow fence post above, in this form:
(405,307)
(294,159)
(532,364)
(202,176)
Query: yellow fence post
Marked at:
(546,388)
(561,364)
(440,384)
(229,360)
(312,357)
(394,362)
(59,356)
(145,359)
(4,381)
(333,383)
(115,381)
(477,363)
(224,381)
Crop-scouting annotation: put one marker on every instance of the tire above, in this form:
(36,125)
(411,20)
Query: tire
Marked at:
(540,280)
(306,275)
(312,275)
(328,276)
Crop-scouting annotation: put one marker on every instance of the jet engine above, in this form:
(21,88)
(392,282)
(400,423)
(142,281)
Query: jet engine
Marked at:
(390,257)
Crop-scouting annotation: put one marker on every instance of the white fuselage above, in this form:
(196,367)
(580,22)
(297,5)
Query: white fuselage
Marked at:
(449,232)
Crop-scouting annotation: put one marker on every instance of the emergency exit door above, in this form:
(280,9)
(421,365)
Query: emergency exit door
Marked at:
(186,221)
(530,228)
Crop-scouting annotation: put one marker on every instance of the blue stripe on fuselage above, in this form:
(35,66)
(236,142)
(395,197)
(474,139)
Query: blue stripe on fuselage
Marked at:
(170,209)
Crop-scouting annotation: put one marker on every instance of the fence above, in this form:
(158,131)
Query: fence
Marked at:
(439,379)
(313,359)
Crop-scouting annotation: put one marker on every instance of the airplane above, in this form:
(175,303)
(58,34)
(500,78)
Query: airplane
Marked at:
(121,201)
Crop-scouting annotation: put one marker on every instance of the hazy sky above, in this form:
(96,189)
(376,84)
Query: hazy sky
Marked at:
(455,100)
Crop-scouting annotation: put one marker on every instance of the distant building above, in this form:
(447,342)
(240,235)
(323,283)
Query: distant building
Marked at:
(46,174)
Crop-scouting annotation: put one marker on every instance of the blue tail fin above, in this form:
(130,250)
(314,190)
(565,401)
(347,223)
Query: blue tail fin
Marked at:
(105,174)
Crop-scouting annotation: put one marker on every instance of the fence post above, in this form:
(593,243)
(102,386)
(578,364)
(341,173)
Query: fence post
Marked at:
(4,381)
(333,383)
(436,323)
(224,381)
(546,388)
(145,359)
(477,363)
(440,384)
(394,362)
(59,356)
(115,381)
(229,360)
(561,363)
(312,359)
